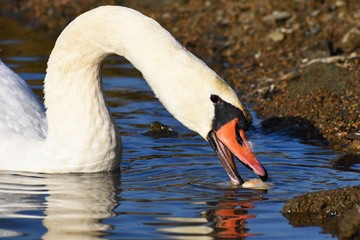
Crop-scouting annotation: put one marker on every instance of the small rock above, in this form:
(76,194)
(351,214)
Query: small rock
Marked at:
(166,15)
(159,130)
(315,13)
(257,55)
(340,3)
(346,161)
(304,60)
(276,36)
(351,40)
(354,147)
(277,16)
(353,136)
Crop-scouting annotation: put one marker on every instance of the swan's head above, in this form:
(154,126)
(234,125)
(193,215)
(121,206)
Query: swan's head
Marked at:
(227,138)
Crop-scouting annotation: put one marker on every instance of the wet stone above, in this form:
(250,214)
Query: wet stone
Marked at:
(341,199)
(326,209)
(346,161)
(159,130)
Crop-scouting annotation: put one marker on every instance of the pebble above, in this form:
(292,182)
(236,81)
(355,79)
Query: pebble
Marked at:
(340,3)
(354,147)
(351,40)
(276,36)
(159,130)
(277,16)
(353,136)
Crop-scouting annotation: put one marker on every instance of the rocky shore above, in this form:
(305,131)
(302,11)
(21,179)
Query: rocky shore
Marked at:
(295,62)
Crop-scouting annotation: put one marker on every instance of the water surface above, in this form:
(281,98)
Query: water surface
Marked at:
(167,188)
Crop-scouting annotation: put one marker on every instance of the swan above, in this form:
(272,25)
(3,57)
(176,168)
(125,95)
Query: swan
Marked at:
(74,131)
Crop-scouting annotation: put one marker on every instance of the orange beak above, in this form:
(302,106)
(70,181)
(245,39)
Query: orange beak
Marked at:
(227,141)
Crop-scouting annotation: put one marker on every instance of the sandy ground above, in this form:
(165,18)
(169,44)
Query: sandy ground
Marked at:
(295,62)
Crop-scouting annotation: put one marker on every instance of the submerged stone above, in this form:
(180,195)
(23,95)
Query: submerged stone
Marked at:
(159,130)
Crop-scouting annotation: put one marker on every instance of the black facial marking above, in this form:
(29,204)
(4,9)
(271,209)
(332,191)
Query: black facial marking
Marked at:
(225,112)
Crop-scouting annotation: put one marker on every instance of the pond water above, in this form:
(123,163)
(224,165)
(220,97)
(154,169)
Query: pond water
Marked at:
(167,188)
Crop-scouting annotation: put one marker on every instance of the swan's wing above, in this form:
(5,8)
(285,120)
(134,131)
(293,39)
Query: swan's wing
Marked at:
(20,109)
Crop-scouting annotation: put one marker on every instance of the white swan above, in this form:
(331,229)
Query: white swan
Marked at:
(76,133)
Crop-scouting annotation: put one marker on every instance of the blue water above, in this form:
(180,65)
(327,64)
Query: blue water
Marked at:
(167,188)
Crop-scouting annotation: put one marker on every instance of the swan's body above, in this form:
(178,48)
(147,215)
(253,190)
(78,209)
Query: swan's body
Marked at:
(77,133)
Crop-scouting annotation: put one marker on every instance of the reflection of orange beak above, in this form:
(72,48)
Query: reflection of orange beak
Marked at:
(231,217)
(228,141)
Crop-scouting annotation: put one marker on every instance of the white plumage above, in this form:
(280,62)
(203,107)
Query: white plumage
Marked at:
(77,132)
(23,113)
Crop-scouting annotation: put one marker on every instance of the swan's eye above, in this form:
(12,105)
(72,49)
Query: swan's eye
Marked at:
(214,98)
